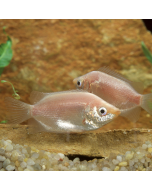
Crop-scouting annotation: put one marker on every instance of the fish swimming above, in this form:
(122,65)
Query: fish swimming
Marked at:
(67,111)
(116,90)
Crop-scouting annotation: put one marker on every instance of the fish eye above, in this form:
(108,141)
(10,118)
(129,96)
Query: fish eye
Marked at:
(79,83)
(103,111)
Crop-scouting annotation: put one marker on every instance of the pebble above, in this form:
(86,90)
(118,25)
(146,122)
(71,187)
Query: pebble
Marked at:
(6,163)
(2,151)
(24,151)
(116,168)
(30,162)
(37,167)
(150,150)
(106,169)
(30,168)
(144,146)
(83,167)
(129,156)
(23,164)
(57,157)
(24,158)
(119,158)
(2,158)
(61,155)
(9,141)
(9,148)
(35,155)
(76,160)
(14,155)
(142,160)
(20,158)
(66,164)
(8,154)
(20,169)
(150,146)
(123,169)
(123,164)
(131,162)
(115,162)
(10,168)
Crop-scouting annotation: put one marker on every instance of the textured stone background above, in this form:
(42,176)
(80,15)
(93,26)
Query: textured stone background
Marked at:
(49,54)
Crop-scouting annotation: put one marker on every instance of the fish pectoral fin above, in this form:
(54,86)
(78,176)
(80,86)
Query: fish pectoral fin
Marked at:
(35,126)
(138,86)
(132,113)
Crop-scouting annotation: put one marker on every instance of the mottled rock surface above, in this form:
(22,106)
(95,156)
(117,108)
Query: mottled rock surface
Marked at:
(93,144)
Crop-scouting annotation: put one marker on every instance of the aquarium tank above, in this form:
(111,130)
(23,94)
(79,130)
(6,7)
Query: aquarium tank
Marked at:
(75,95)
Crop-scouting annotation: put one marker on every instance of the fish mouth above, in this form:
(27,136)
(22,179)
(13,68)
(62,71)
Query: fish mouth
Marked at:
(75,82)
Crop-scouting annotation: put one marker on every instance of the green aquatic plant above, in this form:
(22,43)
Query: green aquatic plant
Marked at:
(15,95)
(6,53)
(146,52)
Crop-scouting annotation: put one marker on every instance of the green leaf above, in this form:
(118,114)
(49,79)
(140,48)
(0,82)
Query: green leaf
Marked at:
(6,53)
(146,52)
(4,121)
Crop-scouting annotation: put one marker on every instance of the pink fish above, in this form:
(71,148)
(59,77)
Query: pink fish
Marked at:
(68,111)
(116,90)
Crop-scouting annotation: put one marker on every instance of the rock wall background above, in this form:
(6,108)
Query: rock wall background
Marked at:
(49,54)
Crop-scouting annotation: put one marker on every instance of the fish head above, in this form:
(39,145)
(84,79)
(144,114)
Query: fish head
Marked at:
(82,82)
(98,115)
(85,82)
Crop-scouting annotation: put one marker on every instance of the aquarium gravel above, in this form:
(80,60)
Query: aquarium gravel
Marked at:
(15,157)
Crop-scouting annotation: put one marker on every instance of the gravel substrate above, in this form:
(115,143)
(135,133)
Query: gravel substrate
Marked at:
(15,157)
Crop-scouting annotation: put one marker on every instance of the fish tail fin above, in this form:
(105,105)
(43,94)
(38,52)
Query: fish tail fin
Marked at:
(18,111)
(146,103)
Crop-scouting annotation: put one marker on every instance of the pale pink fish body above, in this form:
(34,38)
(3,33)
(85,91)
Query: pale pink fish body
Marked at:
(116,90)
(69,111)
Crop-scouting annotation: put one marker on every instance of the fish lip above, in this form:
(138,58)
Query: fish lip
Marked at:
(75,82)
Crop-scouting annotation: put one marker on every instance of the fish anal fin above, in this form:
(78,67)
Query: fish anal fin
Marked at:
(37,96)
(138,86)
(132,113)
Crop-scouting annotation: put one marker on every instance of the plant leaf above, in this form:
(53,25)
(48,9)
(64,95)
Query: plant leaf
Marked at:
(6,53)
(4,121)
(146,52)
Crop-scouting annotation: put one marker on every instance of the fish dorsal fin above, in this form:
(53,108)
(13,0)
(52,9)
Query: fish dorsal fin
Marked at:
(136,85)
(37,96)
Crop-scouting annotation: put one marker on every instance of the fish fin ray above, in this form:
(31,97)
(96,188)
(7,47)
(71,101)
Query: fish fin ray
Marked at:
(146,103)
(132,113)
(138,86)
(18,111)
